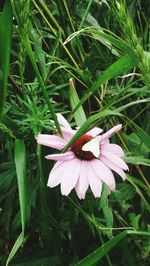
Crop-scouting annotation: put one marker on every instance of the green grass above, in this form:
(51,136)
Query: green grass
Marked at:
(90,61)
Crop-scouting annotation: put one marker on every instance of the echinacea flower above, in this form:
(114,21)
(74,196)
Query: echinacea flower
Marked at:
(88,162)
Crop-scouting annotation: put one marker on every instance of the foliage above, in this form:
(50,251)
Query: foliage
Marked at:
(90,61)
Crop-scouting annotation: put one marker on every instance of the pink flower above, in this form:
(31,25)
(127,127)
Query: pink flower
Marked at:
(88,162)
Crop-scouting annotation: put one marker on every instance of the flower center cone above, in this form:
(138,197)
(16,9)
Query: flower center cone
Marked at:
(77,148)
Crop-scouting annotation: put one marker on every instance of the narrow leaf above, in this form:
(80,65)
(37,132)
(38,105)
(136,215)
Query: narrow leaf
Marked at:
(10,124)
(99,253)
(107,210)
(137,160)
(20,162)
(142,134)
(5,44)
(109,39)
(79,116)
(15,248)
(122,65)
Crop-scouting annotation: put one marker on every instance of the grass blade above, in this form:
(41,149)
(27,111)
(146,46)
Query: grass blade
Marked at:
(10,124)
(106,38)
(99,253)
(142,134)
(15,248)
(122,65)
(5,44)
(79,116)
(20,162)
(85,14)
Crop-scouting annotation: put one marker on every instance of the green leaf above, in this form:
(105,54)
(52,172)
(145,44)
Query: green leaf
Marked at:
(142,134)
(99,253)
(137,182)
(137,146)
(107,210)
(120,109)
(10,125)
(79,116)
(6,130)
(109,39)
(137,160)
(5,45)
(85,14)
(20,162)
(15,248)
(134,182)
(135,220)
(122,65)
(39,53)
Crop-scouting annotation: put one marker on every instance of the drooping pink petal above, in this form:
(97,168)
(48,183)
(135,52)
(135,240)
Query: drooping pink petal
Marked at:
(55,174)
(113,167)
(94,132)
(70,176)
(103,173)
(69,155)
(82,184)
(51,141)
(63,122)
(115,160)
(114,148)
(94,181)
(110,132)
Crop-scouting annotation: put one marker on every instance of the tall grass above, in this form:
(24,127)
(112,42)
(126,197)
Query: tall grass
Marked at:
(90,61)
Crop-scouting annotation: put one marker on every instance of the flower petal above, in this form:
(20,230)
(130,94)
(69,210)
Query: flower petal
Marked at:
(95,183)
(51,141)
(103,173)
(94,132)
(115,168)
(115,160)
(55,175)
(110,132)
(69,155)
(70,176)
(114,148)
(82,184)
(63,122)
(68,134)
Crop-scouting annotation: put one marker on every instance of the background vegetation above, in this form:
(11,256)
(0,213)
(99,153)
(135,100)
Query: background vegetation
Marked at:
(49,50)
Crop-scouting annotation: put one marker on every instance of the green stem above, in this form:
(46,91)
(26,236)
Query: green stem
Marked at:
(85,14)
(51,16)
